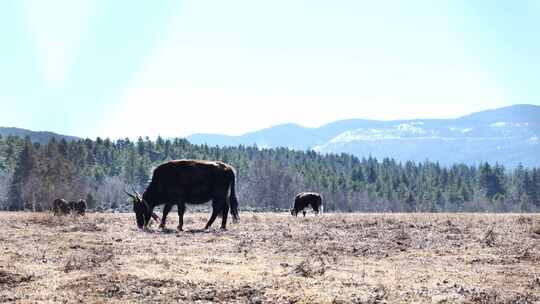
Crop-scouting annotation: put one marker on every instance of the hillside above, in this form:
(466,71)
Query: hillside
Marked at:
(509,136)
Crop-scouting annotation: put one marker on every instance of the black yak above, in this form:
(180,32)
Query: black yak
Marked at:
(61,207)
(181,182)
(304,199)
(78,207)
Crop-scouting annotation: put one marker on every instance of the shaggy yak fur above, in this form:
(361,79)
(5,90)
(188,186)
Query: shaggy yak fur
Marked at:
(304,199)
(181,182)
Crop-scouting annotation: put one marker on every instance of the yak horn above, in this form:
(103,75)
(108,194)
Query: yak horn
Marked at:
(135,191)
(129,194)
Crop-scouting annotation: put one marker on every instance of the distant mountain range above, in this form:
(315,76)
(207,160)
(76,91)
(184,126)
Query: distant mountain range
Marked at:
(35,136)
(509,135)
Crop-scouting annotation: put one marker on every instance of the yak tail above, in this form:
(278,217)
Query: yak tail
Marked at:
(322,206)
(233,200)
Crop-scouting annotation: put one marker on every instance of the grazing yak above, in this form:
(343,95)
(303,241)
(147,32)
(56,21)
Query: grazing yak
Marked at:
(304,199)
(78,207)
(61,207)
(181,182)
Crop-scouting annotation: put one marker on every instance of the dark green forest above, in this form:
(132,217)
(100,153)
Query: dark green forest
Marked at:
(32,175)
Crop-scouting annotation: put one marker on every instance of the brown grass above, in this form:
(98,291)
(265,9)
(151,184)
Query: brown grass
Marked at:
(272,258)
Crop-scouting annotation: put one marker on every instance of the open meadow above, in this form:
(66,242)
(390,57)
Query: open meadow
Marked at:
(272,258)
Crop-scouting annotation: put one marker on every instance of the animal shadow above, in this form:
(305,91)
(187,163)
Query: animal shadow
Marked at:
(202,230)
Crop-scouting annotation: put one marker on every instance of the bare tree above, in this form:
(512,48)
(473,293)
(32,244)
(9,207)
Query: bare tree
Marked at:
(110,194)
(266,185)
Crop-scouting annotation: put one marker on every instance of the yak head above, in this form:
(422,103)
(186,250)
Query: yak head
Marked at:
(294,212)
(143,212)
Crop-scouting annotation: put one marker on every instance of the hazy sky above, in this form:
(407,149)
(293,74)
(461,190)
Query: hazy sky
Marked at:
(129,68)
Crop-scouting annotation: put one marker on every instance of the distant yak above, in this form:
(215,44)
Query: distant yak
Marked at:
(78,207)
(305,199)
(63,207)
(181,182)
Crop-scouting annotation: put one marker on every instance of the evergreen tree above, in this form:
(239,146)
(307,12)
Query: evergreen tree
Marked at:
(266,178)
(24,177)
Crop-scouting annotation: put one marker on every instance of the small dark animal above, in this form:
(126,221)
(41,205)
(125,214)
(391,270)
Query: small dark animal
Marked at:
(304,199)
(78,207)
(181,182)
(61,207)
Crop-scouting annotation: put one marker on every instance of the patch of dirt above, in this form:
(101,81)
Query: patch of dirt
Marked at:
(130,287)
(83,227)
(88,259)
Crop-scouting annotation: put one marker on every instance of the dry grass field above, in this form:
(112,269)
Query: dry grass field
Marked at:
(272,258)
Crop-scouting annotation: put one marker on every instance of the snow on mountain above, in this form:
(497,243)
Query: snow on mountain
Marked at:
(507,135)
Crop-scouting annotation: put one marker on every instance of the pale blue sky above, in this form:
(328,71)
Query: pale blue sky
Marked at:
(130,68)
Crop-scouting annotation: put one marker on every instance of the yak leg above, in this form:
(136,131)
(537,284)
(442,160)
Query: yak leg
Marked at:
(181,210)
(166,211)
(304,212)
(224,213)
(215,212)
(212,219)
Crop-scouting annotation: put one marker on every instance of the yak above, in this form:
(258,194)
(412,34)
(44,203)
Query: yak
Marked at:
(181,182)
(78,207)
(61,207)
(304,199)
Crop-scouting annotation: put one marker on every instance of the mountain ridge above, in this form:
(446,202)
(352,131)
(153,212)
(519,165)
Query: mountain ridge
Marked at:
(507,135)
(35,136)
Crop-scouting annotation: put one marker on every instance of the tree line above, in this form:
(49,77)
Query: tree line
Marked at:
(32,175)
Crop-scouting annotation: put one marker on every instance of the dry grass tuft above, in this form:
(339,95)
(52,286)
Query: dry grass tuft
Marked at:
(489,238)
(8,279)
(536,228)
(310,269)
(68,223)
(522,220)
